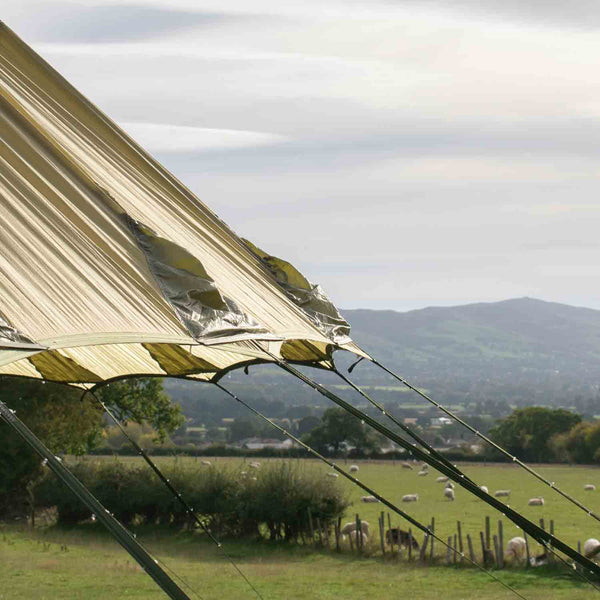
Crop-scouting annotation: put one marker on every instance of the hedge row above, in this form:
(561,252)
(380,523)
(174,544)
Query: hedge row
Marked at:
(272,500)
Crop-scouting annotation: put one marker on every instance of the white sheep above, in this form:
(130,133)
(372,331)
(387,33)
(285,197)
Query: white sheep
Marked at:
(589,487)
(483,488)
(536,502)
(353,468)
(332,475)
(369,499)
(406,465)
(449,493)
(501,493)
(441,479)
(410,497)
(516,548)
(206,463)
(350,528)
(254,465)
(424,467)
(422,473)
(591,548)
(449,486)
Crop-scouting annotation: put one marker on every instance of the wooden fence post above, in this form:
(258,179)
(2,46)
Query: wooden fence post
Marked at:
(336,530)
(460,540)
(484,556)
(449,551)
(432,538)
(410,540)
(320,532)
(381,520)
(488,538)
(501,545)
(454,547)
(496,550)
(358,532)
(424,547)
(527,553)
(470,545)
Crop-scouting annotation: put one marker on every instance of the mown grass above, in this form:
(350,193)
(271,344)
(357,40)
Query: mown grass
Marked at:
(85,564)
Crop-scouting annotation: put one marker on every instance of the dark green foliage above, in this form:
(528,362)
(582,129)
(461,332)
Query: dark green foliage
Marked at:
(68,423)
(527,432)
(581,444)
(275,504)
(339,429)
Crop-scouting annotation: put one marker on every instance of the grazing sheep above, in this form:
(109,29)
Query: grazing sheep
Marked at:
(400,538)
(369,499)
(353,468)
(483,488)
(501,493)
(516,548)
(350,528)
(406,465)
(253,479)
(449,493)
(449,486)
(536,502)
(589,487)
(422,473)
(410,497)
(424,467)
(539,560)
(254,465)
(441,479)
(206,463)
(591,548)
(332,475)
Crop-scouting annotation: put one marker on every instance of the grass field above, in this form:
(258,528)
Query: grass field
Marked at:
(92,566)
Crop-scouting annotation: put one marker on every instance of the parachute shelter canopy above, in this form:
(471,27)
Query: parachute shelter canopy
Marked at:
(110,267)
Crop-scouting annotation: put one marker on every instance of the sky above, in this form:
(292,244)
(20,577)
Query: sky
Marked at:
(401,153)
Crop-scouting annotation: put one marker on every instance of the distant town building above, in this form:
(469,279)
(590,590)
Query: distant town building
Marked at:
(440,421)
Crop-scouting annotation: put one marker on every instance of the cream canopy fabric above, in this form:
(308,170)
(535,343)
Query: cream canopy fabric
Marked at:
(110,267)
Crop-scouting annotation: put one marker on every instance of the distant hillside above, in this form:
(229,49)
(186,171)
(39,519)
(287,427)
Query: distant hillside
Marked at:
(521,351)
(541,346)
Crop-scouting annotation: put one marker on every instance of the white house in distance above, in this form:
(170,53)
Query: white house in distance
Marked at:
(440,421)
(256,443)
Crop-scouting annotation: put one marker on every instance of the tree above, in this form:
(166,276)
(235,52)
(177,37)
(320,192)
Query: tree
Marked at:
(526,432)
(581,444)
(339,429)
(307,424)
(68,423)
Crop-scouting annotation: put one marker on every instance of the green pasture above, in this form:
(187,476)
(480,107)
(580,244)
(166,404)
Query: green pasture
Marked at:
(84,564)
(52,564)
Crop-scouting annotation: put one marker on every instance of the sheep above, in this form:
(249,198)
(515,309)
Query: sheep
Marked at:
(254,465)
(591,548)
(539,560)
(332,475)
(406,465)
(243,474)
(369,499)
(424,467)
(422,473)
(535,502)
(441,479)
(350,528)
(206,463)
(484,488)
(501,493)
(449,486)
(515,548)
(253,479)
(353,468)
(449,493)
(400,538)
(589,487)
(410,497)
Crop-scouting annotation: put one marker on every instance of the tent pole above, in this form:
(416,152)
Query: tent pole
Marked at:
(117,530)
(547,540)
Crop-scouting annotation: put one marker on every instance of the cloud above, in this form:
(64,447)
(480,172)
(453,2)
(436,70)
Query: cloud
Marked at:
(161,138)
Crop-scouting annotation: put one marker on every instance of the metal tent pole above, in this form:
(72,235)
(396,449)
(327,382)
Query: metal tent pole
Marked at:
(149,564)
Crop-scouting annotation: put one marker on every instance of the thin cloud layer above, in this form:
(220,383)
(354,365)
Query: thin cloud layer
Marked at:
(441,152)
